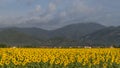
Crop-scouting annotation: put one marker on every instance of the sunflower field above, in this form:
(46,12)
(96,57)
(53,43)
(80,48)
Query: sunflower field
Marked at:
(59,58)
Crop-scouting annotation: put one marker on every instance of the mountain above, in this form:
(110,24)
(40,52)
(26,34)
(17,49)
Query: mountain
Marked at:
(37,36)
(12,37)
(38,33)
(75,31)
(106,36)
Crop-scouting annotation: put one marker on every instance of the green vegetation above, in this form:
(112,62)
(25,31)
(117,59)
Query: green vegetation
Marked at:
(3,46)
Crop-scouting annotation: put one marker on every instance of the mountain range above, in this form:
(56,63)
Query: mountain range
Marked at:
(106,36)
(70,35)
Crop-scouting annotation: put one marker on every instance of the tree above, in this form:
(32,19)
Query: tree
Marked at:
(3,45)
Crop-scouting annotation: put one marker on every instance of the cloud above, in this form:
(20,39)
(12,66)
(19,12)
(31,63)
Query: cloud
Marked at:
(40,15)
(52,7)
(49,17)
(83,7)
(56,13)
(63,14)
(38,8)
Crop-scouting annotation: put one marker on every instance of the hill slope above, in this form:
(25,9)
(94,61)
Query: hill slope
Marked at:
(75,31)
(12,37)
(38,33)
(110,35)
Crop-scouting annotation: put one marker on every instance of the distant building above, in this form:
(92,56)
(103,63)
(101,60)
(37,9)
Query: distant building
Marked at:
(111,47)
(87,47)
(14,47)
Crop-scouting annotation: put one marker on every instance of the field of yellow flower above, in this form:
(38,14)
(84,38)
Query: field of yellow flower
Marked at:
(59,58)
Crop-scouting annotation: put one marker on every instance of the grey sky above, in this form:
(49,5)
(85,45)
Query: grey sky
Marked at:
(52,14)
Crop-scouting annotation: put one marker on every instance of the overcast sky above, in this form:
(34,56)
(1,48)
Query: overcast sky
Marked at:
(51,14)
